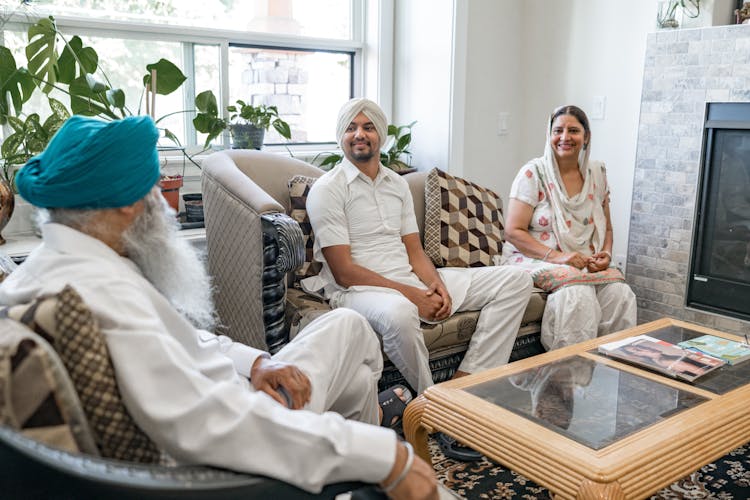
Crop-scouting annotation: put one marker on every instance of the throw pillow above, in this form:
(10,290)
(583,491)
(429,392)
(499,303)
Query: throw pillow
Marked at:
(67,323)
(37,397)
(299,187)
(463,222)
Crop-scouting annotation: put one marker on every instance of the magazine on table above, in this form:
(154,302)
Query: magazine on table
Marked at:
(730,351)
(663,357)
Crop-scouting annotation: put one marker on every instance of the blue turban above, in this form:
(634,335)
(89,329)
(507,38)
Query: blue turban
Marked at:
(93,164)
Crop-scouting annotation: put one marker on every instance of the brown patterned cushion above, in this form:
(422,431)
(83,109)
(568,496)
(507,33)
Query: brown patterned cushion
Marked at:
(67,323)
(37,397)
(299,187)
(463,222)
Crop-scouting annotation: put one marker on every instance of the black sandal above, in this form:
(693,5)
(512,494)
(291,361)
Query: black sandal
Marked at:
(455,450)
(392,405)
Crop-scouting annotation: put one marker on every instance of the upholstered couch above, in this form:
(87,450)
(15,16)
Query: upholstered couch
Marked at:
(246,194)
(64,432)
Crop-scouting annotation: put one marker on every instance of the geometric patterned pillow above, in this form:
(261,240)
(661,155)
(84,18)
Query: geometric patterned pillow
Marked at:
(37,397)
(299,187)
(67,324)
(463,222)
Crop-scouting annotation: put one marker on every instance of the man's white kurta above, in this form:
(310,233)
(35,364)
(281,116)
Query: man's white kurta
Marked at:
(188,389)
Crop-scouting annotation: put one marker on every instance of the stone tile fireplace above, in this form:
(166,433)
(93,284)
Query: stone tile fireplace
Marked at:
(684,69)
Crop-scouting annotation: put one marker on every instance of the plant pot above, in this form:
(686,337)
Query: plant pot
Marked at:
(7,204)
(246,136)
(193,207)
(170,189)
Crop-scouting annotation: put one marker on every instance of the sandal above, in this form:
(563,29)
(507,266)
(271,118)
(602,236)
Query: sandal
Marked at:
(393,406)
(455,450)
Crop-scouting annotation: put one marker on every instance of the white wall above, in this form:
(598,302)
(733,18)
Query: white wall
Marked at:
(524,58)
(422,77)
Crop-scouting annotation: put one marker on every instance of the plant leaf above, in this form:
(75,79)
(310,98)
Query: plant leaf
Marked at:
(15,123)
(392,130)
(41,53)
(169,135)
(168,76)
(205,102)
(116,97)
(332,159)
(83,101)
(76,60)
(11,144)
(58,109)
(282,128)
(403,141)
(16,85)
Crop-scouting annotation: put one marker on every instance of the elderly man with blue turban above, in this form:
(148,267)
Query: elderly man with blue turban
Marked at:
(367,238)
(203,398)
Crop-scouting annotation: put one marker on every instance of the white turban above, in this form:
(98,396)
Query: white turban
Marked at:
(371,110)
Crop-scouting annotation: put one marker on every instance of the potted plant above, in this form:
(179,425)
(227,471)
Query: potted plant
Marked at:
(394,153)
(247,123)
(666,16)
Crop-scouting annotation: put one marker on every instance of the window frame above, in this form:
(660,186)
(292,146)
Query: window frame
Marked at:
(372,27)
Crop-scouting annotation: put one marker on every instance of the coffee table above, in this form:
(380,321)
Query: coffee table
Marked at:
(587,426)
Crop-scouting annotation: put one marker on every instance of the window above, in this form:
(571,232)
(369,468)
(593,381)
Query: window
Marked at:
(300,55)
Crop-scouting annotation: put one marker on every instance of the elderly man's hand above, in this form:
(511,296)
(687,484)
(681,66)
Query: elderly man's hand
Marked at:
(268,375)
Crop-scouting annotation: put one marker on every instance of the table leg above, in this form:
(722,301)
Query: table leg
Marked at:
(591,490)
(414,431)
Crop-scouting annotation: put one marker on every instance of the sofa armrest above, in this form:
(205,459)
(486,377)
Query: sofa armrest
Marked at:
(33,470)
(283,252)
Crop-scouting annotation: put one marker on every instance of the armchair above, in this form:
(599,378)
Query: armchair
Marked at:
(241,190)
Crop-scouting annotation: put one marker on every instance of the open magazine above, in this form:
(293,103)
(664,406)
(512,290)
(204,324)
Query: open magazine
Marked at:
(663,357)
(729,351)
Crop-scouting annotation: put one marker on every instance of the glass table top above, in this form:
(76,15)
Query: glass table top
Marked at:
(586,400)
(719,381)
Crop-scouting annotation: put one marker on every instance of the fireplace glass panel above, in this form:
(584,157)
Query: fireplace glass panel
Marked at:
(720,274)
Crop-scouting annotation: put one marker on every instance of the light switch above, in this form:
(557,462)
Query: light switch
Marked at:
(502,123)
(597,110)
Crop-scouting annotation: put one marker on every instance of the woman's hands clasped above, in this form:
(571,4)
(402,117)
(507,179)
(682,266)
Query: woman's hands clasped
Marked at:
(593,263)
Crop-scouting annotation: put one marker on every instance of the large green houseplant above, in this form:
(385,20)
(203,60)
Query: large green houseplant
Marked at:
(247,123)
(55,62)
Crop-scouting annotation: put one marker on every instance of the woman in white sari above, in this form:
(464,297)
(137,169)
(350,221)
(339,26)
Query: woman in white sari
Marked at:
(558,228)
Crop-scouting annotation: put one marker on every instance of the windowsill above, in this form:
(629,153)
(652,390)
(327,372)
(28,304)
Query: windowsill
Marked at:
(20,245)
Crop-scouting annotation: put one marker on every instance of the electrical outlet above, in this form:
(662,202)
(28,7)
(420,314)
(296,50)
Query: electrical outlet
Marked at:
(620,262)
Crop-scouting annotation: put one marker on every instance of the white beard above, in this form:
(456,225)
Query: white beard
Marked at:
(169,262)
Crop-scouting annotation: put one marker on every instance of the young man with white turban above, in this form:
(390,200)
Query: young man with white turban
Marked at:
(367,238)
(202,398)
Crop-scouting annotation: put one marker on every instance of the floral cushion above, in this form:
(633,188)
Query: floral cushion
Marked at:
(556,277)
(67,324)
(299,187)
(463,222)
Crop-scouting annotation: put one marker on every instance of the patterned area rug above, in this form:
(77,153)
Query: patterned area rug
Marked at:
(727,479)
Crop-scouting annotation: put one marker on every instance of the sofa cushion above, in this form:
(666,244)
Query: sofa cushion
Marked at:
(463,222)
(299,187)
(67,324)
(37,397)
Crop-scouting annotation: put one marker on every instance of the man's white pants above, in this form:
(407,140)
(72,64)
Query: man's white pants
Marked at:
(583,312)
(501,293)
(340,354)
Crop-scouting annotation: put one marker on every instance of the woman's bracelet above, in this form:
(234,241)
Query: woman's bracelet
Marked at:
(547,254)
(404,471)
(607,254)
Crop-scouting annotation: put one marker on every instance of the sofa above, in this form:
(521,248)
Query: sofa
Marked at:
(65,433)
(254,218)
